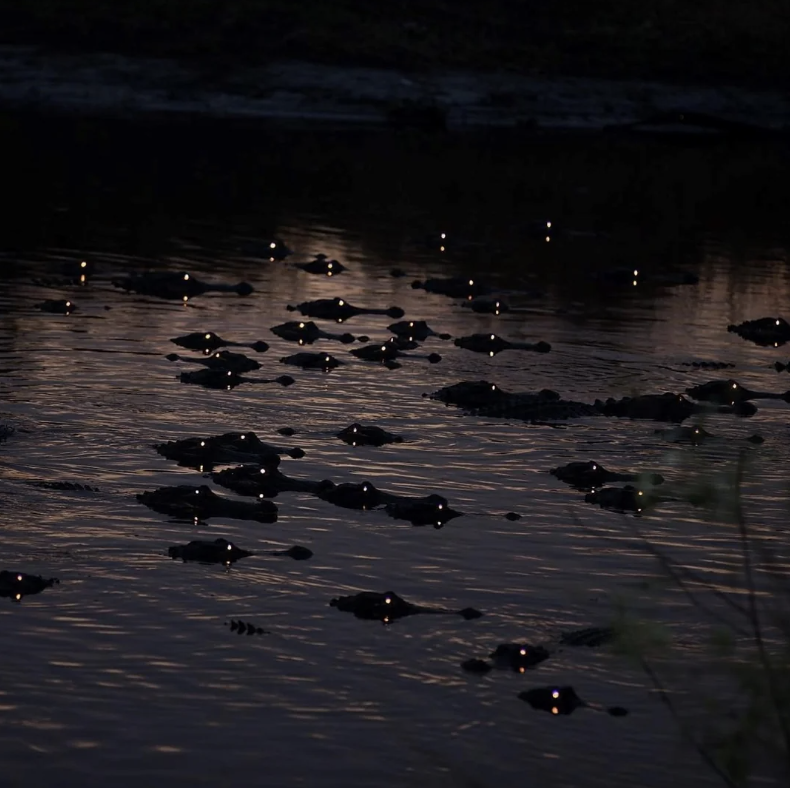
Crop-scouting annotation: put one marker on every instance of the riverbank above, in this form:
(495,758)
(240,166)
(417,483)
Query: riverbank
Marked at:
(336,95)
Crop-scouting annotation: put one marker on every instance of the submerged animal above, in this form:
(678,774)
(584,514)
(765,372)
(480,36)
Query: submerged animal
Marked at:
(57,306)
(305,333)
(202,453)
(175,285)
(274,249)
(730,392)
(487,305)
(367,435)
(339,309)
(322,361)
(20,584)
(431,510)
(454,287)
(264,480)
(188,502)
(388,607)
(414,330)
(765,331)
(666,407)
(245,628)
(227,379)
(322,265)
(220,551)
(63,486)
(586,475)
(386,353)
(208,342)
(222,359)
(563,700)
(693,434)
(493,344)
(620,499)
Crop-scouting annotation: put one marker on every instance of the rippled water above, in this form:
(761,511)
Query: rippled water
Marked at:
(124,671)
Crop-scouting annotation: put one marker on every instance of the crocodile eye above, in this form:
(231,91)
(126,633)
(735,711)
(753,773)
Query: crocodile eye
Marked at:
(263,470)
(329,265)
(68,304)
(555,694)
(441,506)
(243,437)
(301,325)
(229,373)
(185,299)
(230,547)
(388,600)
(493,387)
(735,385)
(777,322)
(383,347)
(341,302)
(326,360)
(471,282)
(202,443)
(207,336)
(555,710)
(595,467)
(443,236)
(523,652)
(186,277)
(364,488)
(197,492)
(411,325)
(272,245)
(19,578)
(641,493)
(355,429)
(548,225)
(493,337)
(83,264)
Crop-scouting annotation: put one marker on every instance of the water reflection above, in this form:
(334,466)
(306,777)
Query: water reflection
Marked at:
(133,635)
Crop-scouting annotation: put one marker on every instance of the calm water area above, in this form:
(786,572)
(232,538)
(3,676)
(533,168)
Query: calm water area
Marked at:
(125,674)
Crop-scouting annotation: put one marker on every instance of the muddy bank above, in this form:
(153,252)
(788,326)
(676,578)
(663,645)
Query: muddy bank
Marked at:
(305,93)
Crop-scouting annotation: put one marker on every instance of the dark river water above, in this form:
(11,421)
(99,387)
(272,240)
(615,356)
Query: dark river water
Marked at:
(124,673)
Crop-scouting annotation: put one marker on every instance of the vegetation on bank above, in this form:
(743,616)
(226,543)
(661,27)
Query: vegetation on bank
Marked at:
(704,40)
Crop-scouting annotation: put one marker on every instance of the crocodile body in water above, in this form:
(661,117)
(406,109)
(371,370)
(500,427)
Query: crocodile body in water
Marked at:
(730,392)
(208,342)
(388,607)
(223,360)
(414,330)
(563,700)
(203,453)
(339,309)
(267,481)
(493,344)
(228,379)
(188,502)
(322,361)
(220,551)
(322,265)
(386,352)
(367,435)
(305,333)
(765,331)
(586,475)
(16,585)
(57,306)
(175,285)
(454,287)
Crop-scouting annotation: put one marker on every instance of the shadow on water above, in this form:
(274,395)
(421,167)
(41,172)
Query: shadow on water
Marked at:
(129,634)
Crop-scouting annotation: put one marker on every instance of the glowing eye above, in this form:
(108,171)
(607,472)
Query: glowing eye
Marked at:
(555,694)
(636,273)
(735,385)
(197,492)
(301,325)
(229,373)
(82,277)
(68,303)
(186,277)
(555,710)
(521,669)
(263,470)
(411,325)
(443,236)
(441,506)
(493,337)
(327,359)
(388,600)
(490,353)
(523,652)
(634,282)
(777,322)
(441,248)
(383,347)
(207,336)
(244,437)
(641,493)
(355,429)
(493,387)
(230,547)
(18,597)
(83,264)
(261,496)
(548,225)
(329,265)
(471,282)
(341,302)
(548,239)
(272,245)
(185,299)
(202,443)
(595,467)
(19,578)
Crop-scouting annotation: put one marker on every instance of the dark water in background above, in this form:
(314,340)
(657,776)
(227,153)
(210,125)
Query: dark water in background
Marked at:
(124,672)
